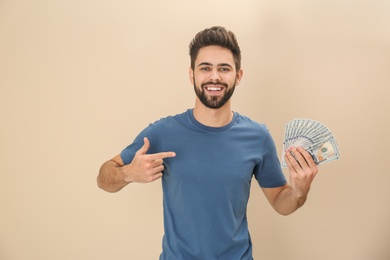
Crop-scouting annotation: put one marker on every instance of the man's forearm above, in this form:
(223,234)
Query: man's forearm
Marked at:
(110,178)
(288,201)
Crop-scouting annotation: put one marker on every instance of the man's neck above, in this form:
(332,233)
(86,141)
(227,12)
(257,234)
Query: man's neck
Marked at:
(213,117)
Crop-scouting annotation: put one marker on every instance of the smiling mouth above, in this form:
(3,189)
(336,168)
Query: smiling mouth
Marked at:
(213,89)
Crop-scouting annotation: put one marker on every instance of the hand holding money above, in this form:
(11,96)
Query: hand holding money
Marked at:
(302,169)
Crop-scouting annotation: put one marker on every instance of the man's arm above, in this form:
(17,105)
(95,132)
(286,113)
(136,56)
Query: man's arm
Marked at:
(288,198)
(111,177)
(114,175)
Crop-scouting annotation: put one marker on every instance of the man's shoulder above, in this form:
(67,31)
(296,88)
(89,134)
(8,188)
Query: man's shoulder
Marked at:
(248,122)
(170,119)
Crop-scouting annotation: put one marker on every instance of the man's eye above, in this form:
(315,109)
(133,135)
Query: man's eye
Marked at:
(224,69)
(205,68)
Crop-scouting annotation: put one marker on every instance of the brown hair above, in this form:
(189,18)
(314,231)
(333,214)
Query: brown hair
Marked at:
(217,36)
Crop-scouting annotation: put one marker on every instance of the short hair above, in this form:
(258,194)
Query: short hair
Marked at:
(215,36)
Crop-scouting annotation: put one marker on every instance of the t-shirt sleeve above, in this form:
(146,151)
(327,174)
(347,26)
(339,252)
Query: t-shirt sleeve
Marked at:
(151,133)
(268,172)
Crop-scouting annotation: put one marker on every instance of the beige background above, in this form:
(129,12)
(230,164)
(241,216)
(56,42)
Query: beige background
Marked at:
(79,79)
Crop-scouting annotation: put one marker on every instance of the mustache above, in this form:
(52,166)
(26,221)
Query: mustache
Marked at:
(215,84)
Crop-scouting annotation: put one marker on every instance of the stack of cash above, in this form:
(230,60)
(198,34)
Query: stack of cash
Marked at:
(312,136)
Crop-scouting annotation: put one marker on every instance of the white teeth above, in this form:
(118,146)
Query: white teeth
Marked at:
(213,89)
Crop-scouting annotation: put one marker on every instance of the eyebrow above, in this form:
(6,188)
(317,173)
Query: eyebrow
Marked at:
(219,65)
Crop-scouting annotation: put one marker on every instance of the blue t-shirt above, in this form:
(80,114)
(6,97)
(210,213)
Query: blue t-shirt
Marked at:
(206,186)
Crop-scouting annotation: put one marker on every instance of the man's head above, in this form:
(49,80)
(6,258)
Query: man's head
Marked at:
(217,36)
(215,66)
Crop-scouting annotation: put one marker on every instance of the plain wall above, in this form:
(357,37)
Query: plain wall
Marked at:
(79,80)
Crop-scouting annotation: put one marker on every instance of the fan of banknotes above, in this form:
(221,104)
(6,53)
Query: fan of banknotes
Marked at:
(314,137)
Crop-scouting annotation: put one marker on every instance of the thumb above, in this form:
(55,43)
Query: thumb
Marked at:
(145,147)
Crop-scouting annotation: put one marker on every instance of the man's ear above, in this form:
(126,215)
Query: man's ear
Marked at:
(239,75)
(191,75)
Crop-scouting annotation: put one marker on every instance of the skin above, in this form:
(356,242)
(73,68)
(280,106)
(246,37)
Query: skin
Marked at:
(214,67)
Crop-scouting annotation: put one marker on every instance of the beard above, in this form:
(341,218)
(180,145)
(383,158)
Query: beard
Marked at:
(214,102)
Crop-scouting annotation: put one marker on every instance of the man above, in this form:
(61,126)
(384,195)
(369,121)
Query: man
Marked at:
(206,158)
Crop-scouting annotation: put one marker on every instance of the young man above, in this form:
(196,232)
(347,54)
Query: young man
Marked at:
(206,158)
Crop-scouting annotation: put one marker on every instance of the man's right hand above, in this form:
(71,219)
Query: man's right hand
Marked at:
(114,175)
(145,167)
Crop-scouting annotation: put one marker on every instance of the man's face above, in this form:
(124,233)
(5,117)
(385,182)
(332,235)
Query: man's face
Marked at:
(214,76)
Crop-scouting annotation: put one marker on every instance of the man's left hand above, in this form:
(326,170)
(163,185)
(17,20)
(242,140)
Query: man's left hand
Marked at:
(302,169)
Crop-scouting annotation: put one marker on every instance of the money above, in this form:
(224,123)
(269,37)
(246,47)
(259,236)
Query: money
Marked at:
(312,136)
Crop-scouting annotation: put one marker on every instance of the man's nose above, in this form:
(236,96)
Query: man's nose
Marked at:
(215,77)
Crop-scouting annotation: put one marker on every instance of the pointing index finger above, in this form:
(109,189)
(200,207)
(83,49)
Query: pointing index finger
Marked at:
(162,155)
